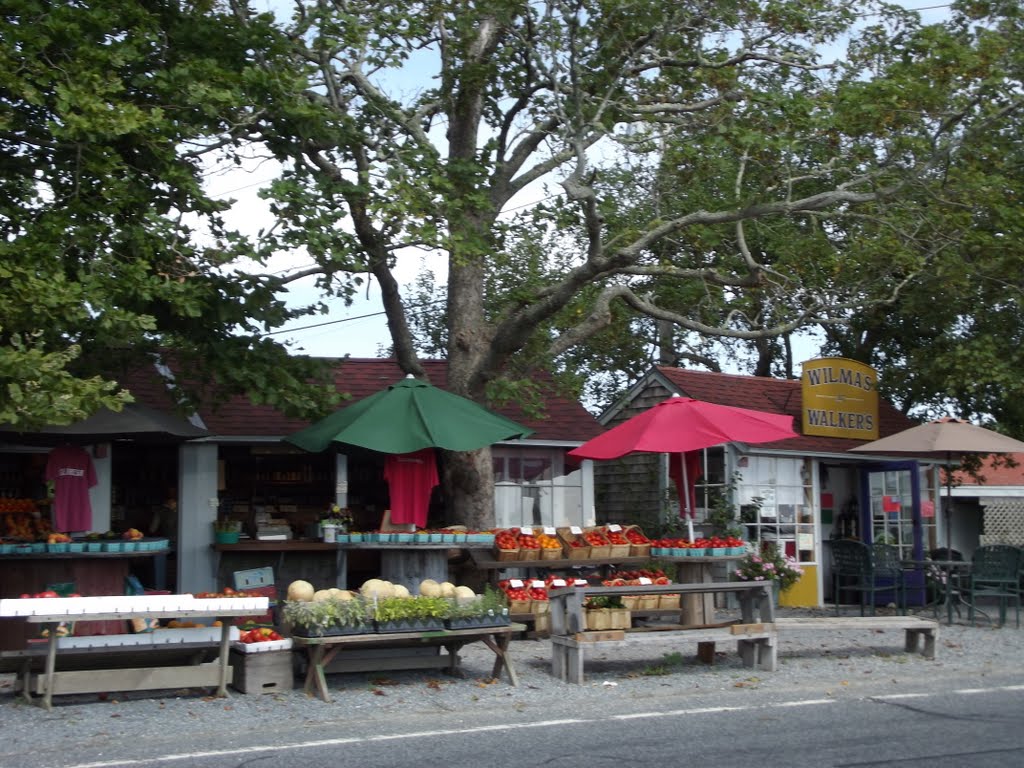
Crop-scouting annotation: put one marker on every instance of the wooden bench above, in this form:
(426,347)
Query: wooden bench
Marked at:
(322,650)
(754,634)
(77,677)
(916,629)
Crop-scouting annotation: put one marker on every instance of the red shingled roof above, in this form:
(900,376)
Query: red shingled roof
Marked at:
(994,476)
(773,396)
(564,419)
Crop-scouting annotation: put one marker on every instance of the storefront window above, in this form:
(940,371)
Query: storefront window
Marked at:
(776,504)
(534,487)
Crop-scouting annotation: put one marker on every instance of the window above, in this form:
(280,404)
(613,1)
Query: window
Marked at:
(533,486)
(776,504)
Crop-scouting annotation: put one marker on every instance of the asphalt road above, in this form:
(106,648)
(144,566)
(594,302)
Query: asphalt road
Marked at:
(926,725)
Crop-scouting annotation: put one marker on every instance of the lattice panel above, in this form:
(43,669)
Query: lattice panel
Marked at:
(1004,521)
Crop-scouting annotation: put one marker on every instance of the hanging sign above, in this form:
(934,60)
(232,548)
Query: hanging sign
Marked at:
(840,399)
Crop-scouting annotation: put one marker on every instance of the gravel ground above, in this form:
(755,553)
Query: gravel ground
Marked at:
(629,677)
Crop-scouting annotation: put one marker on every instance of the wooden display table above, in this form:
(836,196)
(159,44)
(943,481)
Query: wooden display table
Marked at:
(755,633)
(697,607)
(322,650)
(49,612)
(92,573)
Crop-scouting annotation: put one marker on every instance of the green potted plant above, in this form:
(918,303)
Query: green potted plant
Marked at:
(487,610)
(332,616)
(227,531)
(410,614)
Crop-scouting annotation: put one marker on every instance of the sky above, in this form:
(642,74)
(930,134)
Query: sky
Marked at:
(360,329)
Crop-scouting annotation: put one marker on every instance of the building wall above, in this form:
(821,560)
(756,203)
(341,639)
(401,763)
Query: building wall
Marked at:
(627,490)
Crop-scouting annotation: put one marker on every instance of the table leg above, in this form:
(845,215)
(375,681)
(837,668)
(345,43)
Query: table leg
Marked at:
(499,644)
(225,650)
(51,664)
(320,657)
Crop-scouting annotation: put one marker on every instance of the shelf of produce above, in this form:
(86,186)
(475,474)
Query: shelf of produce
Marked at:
(49,612)
(91,573)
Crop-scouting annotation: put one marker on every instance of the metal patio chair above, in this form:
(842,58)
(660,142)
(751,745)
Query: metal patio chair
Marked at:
(995,573)
(887,565)
(853,571)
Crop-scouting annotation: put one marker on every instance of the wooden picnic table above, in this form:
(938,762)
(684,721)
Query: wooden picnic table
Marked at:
(754,633)
(322,651)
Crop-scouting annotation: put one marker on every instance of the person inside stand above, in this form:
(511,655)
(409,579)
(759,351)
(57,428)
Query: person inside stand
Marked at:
(165,518)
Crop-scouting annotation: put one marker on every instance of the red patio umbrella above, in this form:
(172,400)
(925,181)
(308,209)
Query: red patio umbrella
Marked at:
(682,424)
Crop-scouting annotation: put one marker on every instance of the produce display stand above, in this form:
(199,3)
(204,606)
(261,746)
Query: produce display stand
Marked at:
(322,650)
(696,607)
(755,633)
(92,573)
(49,612)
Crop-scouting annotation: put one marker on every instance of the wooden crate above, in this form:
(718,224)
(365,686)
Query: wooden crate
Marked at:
(268,672)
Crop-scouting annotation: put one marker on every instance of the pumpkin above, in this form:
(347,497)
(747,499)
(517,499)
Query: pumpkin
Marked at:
(341,594)
(464,595)
(447,589)
(321,594)
(301,591)
(400,590)
(377,588)
(430,588)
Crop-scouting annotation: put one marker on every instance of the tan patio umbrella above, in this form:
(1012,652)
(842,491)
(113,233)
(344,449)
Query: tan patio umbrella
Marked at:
(944,441)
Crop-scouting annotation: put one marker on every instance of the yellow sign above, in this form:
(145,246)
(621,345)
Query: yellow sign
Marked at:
(840,399)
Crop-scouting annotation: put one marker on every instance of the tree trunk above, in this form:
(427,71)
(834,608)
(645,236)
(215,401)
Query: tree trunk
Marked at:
(469,479)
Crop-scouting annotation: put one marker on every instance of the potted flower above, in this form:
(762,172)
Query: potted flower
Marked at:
(317,618)
(338,520)
(227,531)
(769,565)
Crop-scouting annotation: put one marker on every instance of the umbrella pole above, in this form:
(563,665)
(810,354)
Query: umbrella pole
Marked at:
(686,493)
(949,508)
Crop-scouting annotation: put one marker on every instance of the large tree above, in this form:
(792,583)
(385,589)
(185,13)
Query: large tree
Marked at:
(584,167)
(420,126)
(112,254)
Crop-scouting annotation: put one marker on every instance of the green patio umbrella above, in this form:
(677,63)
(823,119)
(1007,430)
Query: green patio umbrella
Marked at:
(408,416)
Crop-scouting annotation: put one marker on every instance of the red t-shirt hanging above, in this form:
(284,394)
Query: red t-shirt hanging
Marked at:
(72,473)
(411,477)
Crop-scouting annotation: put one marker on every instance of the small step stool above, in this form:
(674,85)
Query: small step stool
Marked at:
(265,672)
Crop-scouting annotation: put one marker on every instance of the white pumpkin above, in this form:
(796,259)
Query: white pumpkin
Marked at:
(464,595)
(400,590)
(301,591)
(447,589)
(321,594)
(430,588)
(377,588)
(341,594)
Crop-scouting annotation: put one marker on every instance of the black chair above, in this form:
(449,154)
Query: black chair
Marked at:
(886,564)
(853,571)
(995,572)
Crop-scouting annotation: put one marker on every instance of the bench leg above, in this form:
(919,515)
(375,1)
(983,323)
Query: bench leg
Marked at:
(706,651)
(574,665)
(912,640)
(930,638)
(559,662)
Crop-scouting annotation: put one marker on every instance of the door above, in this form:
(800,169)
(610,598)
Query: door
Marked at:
(891,514)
